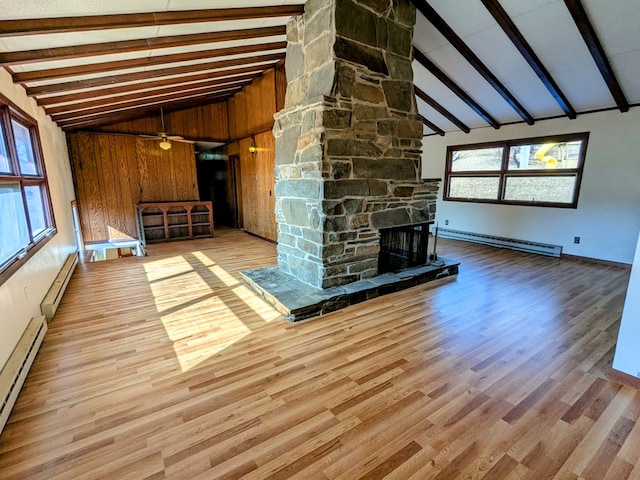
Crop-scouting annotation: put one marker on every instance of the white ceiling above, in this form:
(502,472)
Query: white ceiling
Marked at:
(546,25)
(552,33)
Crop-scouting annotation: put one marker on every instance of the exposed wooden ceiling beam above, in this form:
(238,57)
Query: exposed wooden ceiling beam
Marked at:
(103,22)
(451,85)
(141,102)
(431,125)
(588,33)
(161,94)
(144,75)
(510,29)
(86,69)
(135,113)
(94,49)
(179,82)
(441,110)
(438,22)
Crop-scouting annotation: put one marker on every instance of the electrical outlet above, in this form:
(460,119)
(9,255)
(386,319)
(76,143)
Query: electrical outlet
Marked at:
(576,240)
(446,222)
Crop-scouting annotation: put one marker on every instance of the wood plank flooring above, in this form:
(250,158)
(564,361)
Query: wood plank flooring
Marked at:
(169,367)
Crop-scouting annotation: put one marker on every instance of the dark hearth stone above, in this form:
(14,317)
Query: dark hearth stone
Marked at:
(399,40)
(390,218)
(379,6)
(368,57)
(296,300)
(396,168)
(356,23)
(399,94)
(344,147)
(339,119)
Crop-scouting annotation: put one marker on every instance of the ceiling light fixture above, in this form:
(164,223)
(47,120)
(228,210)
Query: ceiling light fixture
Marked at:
(165,144)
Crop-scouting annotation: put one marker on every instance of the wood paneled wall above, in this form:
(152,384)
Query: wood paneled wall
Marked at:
(258,184)
(246,113)
(250,121)
(114,172)
(208,122)
(251,110)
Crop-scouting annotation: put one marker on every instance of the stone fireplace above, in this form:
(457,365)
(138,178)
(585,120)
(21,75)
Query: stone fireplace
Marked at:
(348,141)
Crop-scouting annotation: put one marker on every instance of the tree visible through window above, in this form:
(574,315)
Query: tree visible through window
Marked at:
(537,171)
(25,210)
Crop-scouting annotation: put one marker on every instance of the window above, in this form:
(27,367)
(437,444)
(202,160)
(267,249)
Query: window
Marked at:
(534,171)
(26,219)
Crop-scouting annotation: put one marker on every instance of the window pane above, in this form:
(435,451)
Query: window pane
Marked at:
(24,149)
(13,222)
(540,189)
(485,188)
(487,159)
(545,155)
(35,206)
(5,167)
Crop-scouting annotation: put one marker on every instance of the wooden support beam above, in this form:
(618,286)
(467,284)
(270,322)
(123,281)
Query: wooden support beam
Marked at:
(159,94)
(135,113)
(107,48)
(422,59)
(144,75)
(438,22)
(585,28)
(431,125)
(180,82)
(441,110)
(185,89)
(87,69)
(142,102)
(518,40)
(33,26)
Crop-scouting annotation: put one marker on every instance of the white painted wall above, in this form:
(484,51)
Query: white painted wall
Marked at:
(21,295)
(627,356)
(608,215)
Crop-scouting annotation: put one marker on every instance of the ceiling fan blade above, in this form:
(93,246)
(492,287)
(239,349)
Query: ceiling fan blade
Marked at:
(181,140)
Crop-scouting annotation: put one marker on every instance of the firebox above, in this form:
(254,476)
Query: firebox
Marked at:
(403,247)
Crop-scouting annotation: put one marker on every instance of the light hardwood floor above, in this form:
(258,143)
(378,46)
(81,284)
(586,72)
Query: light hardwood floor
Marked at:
(169,367)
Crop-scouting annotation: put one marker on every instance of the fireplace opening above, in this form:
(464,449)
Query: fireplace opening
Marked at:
(403,247)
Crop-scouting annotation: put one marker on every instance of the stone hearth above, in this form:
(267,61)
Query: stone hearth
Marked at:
(348,145)
(297,300)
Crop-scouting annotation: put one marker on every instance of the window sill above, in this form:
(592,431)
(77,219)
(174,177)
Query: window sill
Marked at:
(19,261)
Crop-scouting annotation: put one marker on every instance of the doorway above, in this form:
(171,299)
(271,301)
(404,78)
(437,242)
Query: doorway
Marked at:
(218,182)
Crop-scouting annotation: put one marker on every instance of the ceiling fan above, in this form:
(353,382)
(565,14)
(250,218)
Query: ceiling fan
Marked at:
(164,139)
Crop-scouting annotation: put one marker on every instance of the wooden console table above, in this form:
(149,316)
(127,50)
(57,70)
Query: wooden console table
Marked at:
(168,221)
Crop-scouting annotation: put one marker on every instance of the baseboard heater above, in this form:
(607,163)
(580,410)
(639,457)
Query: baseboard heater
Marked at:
(51,301)
(503,242)
(14,373)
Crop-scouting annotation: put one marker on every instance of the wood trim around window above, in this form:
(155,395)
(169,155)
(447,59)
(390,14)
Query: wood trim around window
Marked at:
(8,112)
(504,173)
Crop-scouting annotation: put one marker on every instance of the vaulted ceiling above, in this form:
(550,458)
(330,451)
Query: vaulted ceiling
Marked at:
(477,63)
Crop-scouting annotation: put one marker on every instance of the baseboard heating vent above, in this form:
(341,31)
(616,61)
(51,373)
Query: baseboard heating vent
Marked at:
(14,373)
(494,241)
(51,301)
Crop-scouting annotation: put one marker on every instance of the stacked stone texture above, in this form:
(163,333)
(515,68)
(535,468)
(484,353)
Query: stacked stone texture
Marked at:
(348,142)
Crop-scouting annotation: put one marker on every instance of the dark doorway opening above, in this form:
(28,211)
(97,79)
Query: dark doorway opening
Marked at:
(213,179)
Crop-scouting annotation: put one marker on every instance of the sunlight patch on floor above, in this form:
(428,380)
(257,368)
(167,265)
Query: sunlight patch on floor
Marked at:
(204,307)
(166,267)
(202,330)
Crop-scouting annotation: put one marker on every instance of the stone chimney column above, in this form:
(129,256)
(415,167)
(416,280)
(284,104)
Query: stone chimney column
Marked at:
(348,141)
